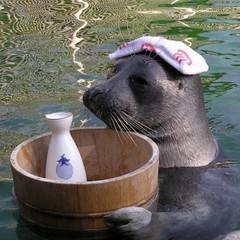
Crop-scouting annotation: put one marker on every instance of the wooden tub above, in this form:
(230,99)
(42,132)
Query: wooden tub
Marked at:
(121,172)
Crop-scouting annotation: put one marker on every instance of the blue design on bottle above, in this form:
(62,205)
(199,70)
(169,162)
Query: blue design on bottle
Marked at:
(64,168)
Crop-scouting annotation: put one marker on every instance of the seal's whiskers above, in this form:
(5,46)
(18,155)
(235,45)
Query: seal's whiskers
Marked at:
(124,126)
(121,127)
(138,125)
(117,123)
(127,127)
(114,125)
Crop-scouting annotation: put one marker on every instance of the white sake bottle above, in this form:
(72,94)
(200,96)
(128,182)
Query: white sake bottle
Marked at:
(63,161)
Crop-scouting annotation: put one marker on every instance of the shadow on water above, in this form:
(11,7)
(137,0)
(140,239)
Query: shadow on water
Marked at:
(50,50)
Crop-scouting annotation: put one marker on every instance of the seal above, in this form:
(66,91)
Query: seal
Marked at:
(149,96)
(198,191)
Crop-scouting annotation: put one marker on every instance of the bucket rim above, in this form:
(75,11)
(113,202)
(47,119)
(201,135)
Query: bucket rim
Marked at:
(154,157)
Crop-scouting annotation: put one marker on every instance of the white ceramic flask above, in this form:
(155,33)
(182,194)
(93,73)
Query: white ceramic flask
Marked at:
(63,161)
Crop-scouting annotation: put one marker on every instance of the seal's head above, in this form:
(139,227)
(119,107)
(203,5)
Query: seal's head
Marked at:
(143,93)
(139,92)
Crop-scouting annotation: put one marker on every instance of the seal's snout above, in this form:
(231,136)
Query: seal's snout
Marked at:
(94,98)
(90,97)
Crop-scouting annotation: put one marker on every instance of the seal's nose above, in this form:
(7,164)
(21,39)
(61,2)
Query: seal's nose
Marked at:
(91,97)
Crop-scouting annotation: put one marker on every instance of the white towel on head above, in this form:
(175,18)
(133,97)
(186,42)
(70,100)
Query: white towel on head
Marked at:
(176,53)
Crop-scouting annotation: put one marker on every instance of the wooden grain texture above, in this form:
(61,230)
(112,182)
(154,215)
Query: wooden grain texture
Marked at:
(121,172)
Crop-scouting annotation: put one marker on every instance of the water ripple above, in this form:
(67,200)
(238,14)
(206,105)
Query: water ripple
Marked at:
(35,49)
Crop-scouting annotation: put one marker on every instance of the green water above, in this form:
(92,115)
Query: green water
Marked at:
(52,50)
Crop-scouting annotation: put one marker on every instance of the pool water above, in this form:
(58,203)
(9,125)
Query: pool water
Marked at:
(52,50)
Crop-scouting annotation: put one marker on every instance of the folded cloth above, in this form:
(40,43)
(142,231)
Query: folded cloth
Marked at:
(176,53)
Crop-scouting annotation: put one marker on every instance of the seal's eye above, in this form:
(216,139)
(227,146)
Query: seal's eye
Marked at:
(139,81)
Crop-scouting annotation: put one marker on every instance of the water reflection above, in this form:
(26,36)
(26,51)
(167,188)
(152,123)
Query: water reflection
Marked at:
(35,52)
(75,40)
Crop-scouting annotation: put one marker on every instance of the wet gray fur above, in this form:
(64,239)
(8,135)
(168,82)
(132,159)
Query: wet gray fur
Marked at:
(197,198)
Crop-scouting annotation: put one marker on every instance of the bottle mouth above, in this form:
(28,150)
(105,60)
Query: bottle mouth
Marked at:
(58,115)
